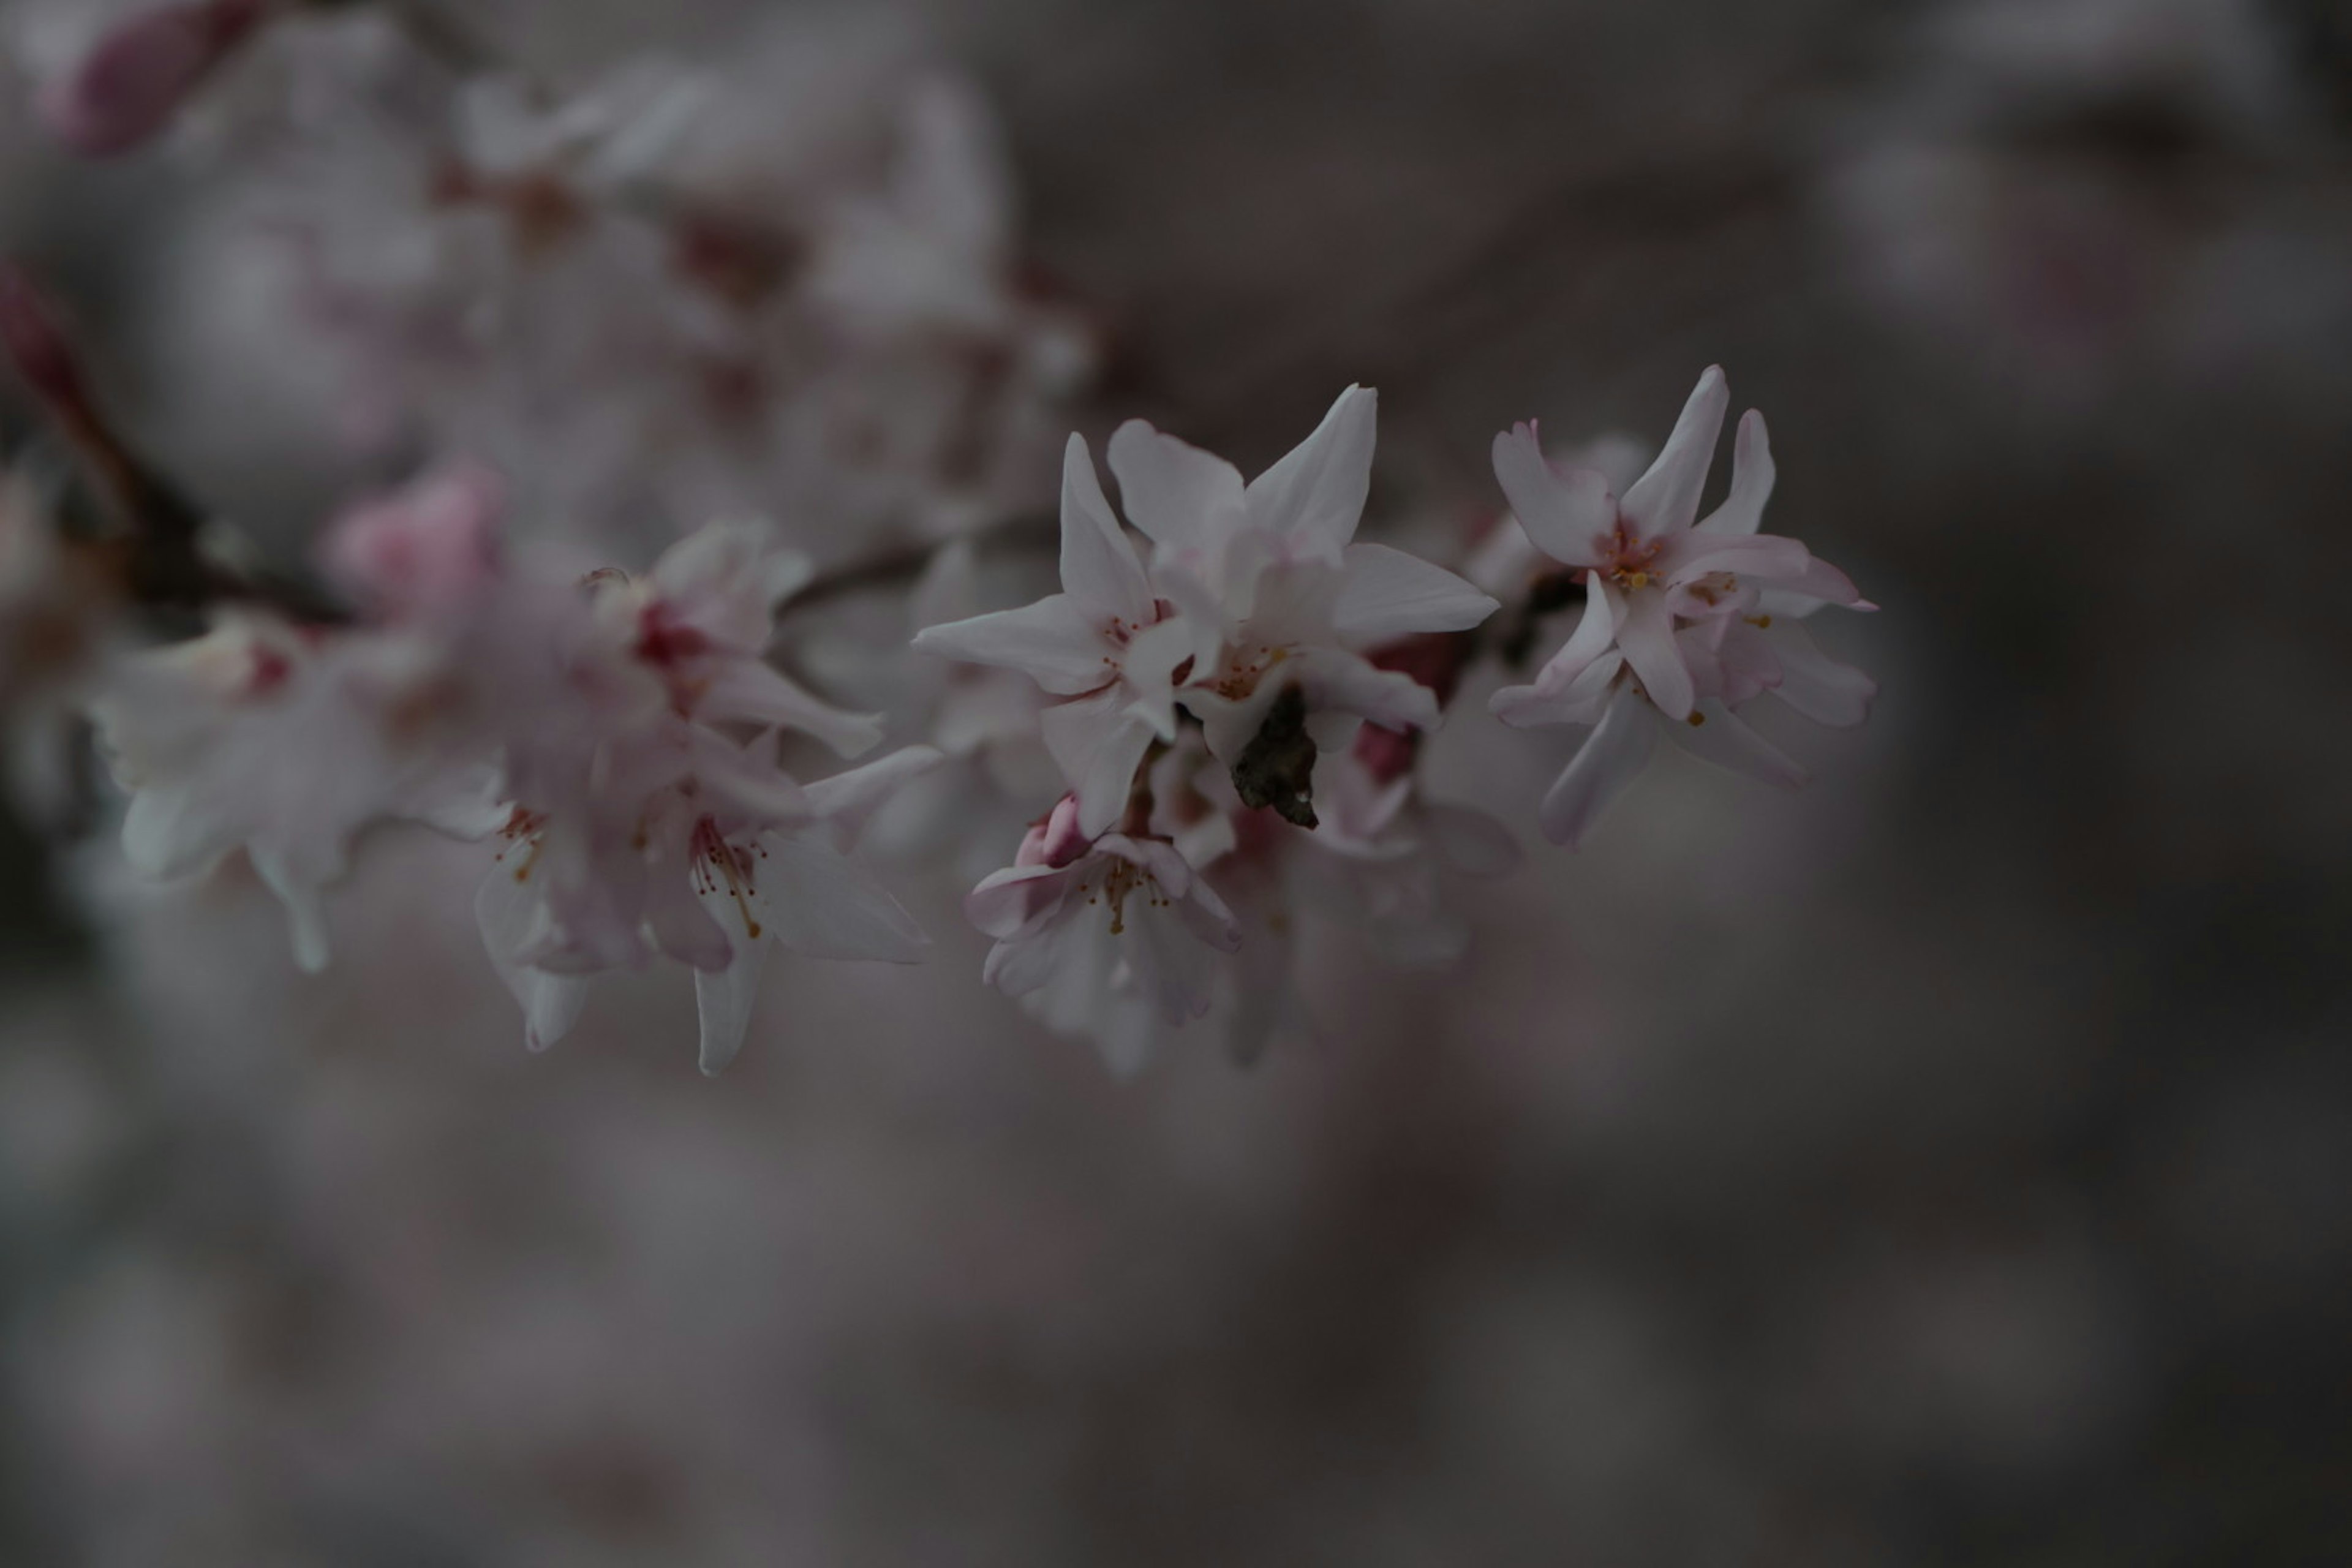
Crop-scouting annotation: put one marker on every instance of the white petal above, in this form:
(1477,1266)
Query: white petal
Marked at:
(164,836)
(1386,593)
(1609,759)
(304,910)
(510,914)
(849,800)
(1179,495)
(1099,569)
(1314,497)
(1816,685)
(1724,739)
(1665,500)
(1564,514)
(723,999)
(1007,901)
(1646,635)
(748,691)
(1150,667)
(1346,684)
(1053,642)
(1096,741)
(1596,632)
(1523,707)
(1752,474)
(817,901)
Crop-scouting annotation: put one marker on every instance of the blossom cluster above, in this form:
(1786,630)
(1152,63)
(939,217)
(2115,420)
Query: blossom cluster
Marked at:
(595,320)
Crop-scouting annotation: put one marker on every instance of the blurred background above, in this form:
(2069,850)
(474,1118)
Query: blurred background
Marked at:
(1951,1164)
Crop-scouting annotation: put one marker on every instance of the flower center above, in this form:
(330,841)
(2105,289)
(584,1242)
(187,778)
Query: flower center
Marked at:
(716,861)
(1124,878)
(1627,561)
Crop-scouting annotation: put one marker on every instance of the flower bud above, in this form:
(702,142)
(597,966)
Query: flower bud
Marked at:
(428,548)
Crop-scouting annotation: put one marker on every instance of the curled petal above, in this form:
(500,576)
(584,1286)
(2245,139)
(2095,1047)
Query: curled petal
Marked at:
(1179,495)
(1566,514)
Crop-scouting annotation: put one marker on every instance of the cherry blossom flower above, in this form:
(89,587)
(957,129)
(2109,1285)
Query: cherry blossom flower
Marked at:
(1106,639)
(285,744)
(1282,597)
(1116,912)
(720,863)
(1682,624)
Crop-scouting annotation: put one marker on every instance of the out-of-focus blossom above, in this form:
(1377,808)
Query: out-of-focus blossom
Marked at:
(1678,624)
(137,74)
(265,736)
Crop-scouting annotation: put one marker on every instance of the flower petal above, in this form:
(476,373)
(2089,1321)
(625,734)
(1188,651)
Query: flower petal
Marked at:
(1816,685)
(1665,500)
(1609,759)
(1096,741)
(1313,498)
(816,900)
(848,799)
(744,691)
(509,912)
(1099,569)
(723,999)
(1646,635)
(1053,642)
(1721,737)
(1386,593)
(1565,515)
(1179,495)
(1752,476)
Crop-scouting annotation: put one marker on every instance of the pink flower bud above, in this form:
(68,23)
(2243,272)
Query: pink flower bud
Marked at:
(1057,841)
(429,548)
(128,87)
